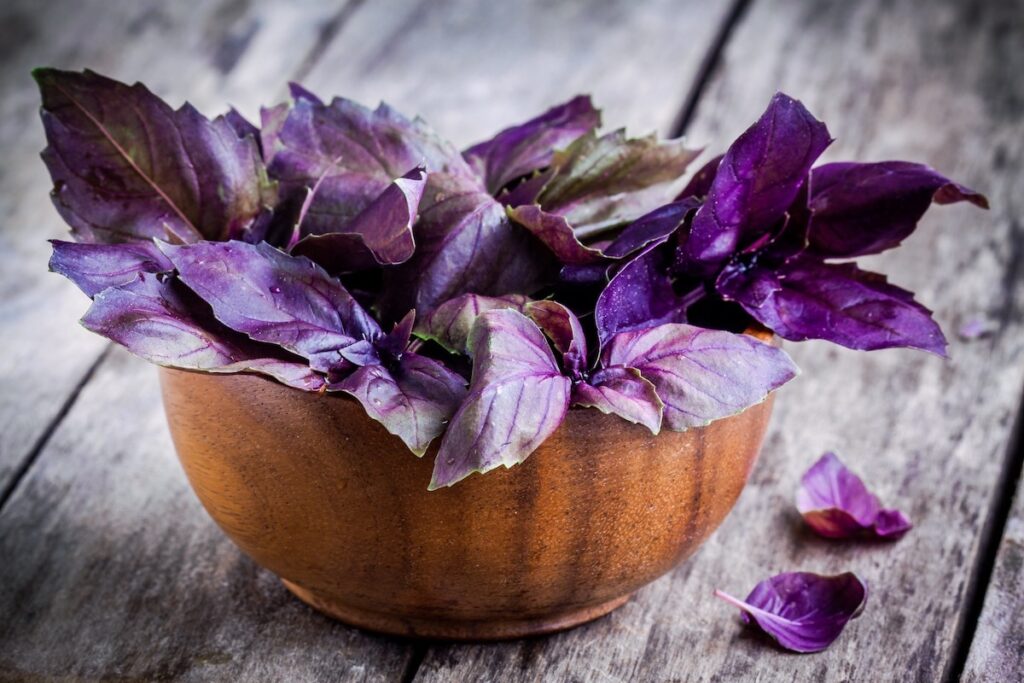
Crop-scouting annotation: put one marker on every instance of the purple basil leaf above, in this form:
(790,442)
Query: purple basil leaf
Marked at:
(125,166)
(465,244)
(355,153)
(95,267)
(700,184)
(414,399)
(564,330)
(395,342)
(298,92)
(242,126)
(381,234)
(701,375)
(801,611)
(835,503)
(556,233)
(279,299)
(623,392)
(272,120)
(757,180)
(517,398)
(602,182)
(976,328)
(527,191)
(806,299)
(156,321)
(528,147)
(450,323)
(860,209)
(651,227)
(641,295)
(592,274)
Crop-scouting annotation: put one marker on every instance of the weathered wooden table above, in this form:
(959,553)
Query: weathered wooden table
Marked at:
(109,568)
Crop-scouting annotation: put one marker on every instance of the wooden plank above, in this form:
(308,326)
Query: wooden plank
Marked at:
(930,81)
(118,572)
(112,569)
(997,650)
(469,67)
(213,53)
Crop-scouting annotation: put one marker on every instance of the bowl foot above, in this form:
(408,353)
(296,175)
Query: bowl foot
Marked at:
(448,629)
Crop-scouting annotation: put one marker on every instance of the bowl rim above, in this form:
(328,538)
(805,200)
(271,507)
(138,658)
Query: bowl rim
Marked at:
(756,330)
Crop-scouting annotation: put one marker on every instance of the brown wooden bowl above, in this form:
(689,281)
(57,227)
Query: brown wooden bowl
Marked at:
(321,495)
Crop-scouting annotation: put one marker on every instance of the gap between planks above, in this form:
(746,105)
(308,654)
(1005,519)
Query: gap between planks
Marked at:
(992,536)
(44,437)
(326,35)
(708,66)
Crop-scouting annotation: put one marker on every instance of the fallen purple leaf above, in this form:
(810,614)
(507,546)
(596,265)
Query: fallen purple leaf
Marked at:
(836,504)
(802,611)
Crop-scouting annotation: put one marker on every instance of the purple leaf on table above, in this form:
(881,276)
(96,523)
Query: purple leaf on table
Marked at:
(838,302)
(517,399)
(413,398)
(756,182)
(156,319)
(977,328)
(125,166)
(858,209)
(624,392)
(96,267)
(522,149)
(836,503)
(801,611)
(701,375)
(280,299)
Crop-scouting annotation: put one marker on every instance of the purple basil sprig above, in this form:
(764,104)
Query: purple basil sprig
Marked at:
(836,504)
(768,230)
(801,611)
(126,166)
(552,266)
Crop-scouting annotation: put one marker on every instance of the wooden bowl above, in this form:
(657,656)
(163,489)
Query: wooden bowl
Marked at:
(321,495)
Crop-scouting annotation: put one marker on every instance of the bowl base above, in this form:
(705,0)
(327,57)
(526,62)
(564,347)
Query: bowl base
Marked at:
(445,629)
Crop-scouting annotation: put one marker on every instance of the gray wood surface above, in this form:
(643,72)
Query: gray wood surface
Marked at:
(929,81)
(472,67)
(212,53)
(119,573)
(997,649)
(109,569)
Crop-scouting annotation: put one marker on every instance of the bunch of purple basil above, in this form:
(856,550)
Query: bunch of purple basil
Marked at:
(477,295)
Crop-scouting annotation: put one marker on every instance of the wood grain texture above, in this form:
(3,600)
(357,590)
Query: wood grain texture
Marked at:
(119,574)
(472,67)
(935,82)
(214,53)
(997,649)
(112,570)
(316,491)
